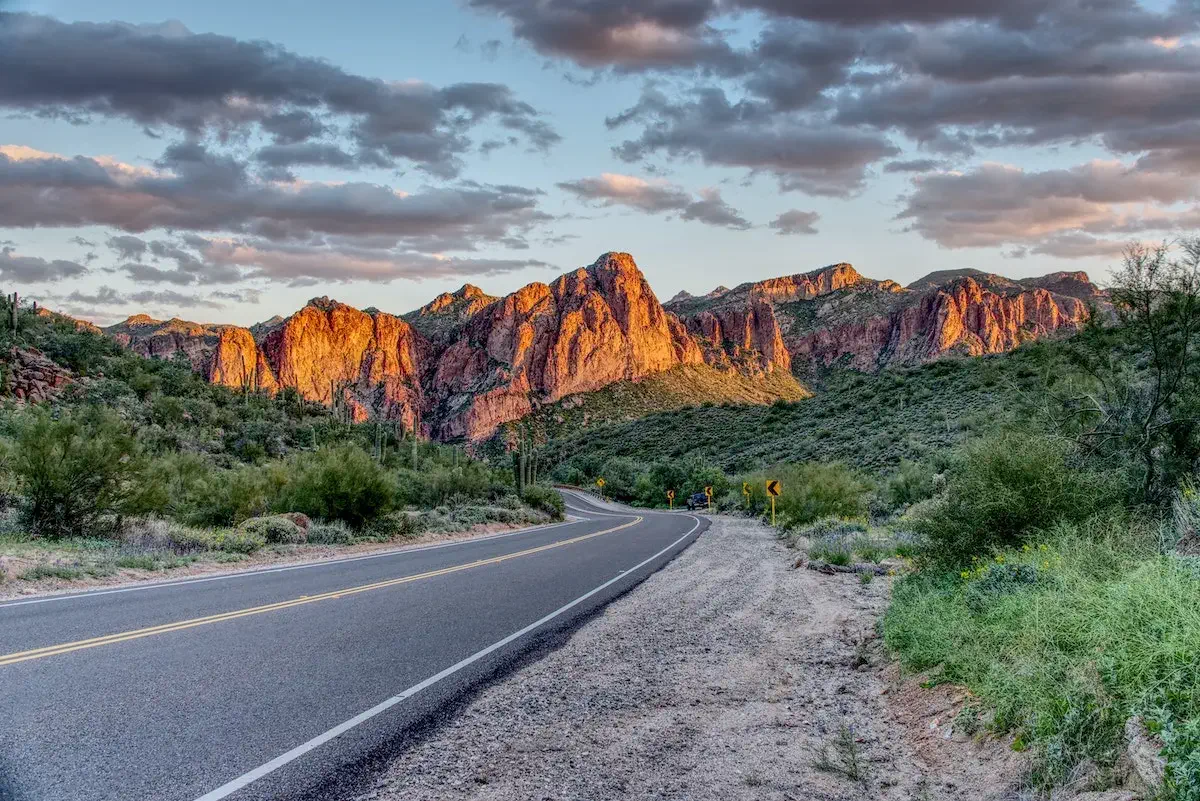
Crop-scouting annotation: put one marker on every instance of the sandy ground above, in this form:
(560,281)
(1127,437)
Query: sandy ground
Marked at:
(727,675)
(12,565)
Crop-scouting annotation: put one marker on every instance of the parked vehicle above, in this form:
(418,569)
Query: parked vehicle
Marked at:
(697,500)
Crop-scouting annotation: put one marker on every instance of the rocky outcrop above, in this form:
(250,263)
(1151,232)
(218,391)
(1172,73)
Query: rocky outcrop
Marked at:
(331,352)
(590,328)
(964,317)
(163,340)
(468,362)
(835,316)
(33,377)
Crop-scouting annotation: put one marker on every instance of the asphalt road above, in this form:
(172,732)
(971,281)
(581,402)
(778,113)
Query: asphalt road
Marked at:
(293,683)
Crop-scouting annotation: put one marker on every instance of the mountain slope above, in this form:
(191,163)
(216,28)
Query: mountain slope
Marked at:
(468,362)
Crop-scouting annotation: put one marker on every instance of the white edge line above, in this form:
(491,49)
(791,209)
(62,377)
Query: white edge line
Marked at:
(318,563)
(231,787)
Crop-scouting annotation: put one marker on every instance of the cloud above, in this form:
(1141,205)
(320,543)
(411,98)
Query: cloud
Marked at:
(795,221)
(1089,209)
(127,247)
(913,165)
(802,153)
(650,34)
(195,190)
(165,76)
(32,269)
(654,197)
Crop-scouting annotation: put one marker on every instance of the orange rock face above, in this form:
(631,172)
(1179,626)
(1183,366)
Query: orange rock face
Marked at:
(589,328)
(467,362)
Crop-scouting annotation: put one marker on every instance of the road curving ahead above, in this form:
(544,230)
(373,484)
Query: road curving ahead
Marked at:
(297,683)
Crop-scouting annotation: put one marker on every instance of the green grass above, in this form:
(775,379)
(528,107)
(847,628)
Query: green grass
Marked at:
(47,571)
(1064,640)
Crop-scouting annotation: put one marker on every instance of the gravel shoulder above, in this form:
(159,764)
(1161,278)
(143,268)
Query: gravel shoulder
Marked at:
(727,675)
(16,558)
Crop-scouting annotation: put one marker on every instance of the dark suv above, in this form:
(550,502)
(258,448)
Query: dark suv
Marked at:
(697,500)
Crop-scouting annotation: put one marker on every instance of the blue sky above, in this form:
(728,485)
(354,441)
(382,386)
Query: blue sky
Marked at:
(573,92)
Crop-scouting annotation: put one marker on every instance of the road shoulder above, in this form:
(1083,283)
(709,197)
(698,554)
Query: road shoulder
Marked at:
(726,675)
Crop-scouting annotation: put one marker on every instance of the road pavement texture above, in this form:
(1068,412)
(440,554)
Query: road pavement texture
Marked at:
(295,683)
(728,676)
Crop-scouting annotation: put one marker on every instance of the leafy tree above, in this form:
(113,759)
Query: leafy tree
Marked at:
(74,471)
(1136,395)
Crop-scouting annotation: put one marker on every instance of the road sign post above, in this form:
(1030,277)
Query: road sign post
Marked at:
(671,499)
(774,490)
(746,492)
(600,484)
(708,497)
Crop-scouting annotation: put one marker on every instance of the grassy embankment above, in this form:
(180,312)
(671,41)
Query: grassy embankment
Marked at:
(140,466)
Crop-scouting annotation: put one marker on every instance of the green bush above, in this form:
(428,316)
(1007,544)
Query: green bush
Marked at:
(393,526)
(810,491)
(336,483)
(909,484)
(227,497)
(234,540)
(334,532)
(1005,487)
(275,530)
(74,471)
(544,499)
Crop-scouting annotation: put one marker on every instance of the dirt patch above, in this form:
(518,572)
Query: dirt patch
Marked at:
(727,675)
(26,556)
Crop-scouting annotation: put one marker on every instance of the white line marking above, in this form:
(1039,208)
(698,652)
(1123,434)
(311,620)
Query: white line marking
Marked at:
(248,778)
(264,571)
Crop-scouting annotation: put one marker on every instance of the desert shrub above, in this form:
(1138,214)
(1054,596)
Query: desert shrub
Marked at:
(1005,487)
(74,470)
(909,484)
(544,499)
(833,551)
(810,491)
(234,540)
(336,483)
(227,497)
(392,526)
(333,532)
(275,529)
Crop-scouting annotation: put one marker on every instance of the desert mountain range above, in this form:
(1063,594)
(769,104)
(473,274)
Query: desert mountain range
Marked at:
(467,362)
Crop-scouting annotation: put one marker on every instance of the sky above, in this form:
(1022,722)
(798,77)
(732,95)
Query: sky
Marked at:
(226,161)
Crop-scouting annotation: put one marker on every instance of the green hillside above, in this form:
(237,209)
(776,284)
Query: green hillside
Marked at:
(666,392)
(868,421)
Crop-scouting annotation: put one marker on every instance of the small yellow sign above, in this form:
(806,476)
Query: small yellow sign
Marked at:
(670,495)
(599,482)
(745,487)
(773,488)
(708,491)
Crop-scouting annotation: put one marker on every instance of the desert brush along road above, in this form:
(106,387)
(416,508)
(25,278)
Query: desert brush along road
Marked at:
(294,682)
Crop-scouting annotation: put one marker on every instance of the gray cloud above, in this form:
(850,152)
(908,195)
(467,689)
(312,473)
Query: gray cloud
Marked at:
(31,269)
(795,221)
(802,153)
(195,190)
(913,165)
(658,196)
(1081,211)
(127,247)
(627,34)
(165,76)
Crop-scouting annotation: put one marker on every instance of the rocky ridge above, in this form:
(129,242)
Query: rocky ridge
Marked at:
(468,362)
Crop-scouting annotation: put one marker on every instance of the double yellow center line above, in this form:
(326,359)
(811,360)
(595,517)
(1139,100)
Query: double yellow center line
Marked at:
(166,628)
